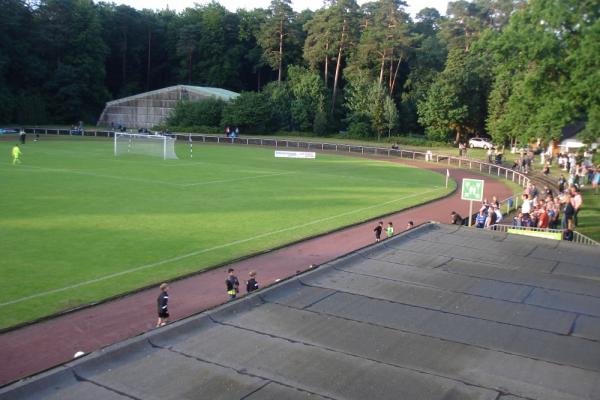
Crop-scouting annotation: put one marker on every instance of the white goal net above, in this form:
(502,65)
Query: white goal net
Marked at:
(151,145)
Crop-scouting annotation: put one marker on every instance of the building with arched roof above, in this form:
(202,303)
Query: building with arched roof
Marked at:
(149,109)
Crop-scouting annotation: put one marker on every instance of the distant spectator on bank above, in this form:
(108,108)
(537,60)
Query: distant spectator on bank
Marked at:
(162,303)
(490,155)
(251,284)
(390,230)
(546,169)
(232,283)
(455,218)
(596,179)
(410,225)
(378,229)
(227,131)
(395,146)
(562,181)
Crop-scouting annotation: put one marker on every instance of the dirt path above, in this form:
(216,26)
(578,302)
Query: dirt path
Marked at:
(37,347)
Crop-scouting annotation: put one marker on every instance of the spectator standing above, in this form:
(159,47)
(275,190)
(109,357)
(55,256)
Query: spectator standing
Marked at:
(561,183)
(526,207)
(567,211)
(232,283)
(162,303)
(378,229)
(577,202)
(251,284)
(22,136)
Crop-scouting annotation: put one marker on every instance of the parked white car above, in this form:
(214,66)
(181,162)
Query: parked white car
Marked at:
(480,143)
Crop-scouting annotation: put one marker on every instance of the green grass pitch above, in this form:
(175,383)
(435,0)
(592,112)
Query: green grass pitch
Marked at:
(78,225)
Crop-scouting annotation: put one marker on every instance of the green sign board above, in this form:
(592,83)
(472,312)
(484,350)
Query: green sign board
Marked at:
(542,234)
(472,189)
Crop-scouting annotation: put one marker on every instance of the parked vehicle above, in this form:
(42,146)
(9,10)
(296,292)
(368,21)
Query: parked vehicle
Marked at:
(480,143)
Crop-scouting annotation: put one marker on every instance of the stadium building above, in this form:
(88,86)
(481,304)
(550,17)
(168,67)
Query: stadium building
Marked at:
(148,109)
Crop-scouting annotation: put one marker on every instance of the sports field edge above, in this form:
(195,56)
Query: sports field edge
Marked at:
(216,266)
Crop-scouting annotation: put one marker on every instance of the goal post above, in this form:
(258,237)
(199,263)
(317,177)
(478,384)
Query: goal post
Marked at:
(151,145)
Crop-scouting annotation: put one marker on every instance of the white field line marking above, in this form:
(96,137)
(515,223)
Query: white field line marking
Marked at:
(202,251)
(234,179)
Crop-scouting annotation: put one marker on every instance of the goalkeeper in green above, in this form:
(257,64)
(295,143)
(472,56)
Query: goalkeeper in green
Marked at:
(16,154)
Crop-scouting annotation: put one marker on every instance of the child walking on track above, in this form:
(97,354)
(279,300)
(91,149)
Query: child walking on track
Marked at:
(251,284)
(390,230)
(163,308)
(378,229)
(232,283)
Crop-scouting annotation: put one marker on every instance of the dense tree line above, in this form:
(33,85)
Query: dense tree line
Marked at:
(514,69)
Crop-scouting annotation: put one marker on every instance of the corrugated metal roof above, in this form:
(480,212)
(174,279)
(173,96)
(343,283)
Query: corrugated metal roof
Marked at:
(205,90)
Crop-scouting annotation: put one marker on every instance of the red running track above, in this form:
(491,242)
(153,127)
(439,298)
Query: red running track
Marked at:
(40,346)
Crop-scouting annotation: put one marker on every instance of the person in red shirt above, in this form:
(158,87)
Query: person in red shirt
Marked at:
(543,218)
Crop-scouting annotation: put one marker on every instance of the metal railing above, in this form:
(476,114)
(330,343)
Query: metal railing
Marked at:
(578,238)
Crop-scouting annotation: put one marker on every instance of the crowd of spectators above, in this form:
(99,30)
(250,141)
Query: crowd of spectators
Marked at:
(550,210)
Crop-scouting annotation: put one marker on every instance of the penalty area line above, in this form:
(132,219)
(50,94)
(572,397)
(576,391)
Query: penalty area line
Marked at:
(218,247)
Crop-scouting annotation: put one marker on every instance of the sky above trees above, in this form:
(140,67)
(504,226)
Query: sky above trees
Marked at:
(414,6)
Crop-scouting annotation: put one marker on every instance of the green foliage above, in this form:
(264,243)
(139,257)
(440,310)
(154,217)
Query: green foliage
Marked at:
(280,104)
(250,111)
(207,112)
(308,97)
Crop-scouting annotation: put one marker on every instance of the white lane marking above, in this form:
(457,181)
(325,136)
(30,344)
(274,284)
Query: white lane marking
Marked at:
(202,251)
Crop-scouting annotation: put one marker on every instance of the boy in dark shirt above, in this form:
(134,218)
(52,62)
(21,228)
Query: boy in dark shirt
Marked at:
(162,304)
(378,229)
(232,284)
(251,284)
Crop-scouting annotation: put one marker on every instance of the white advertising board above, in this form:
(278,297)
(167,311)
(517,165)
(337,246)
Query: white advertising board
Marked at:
(295,154)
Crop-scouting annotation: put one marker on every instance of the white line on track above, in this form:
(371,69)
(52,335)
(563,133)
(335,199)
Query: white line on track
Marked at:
(202,251)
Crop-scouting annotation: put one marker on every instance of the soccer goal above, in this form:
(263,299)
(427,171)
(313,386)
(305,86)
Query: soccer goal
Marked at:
(151,145)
